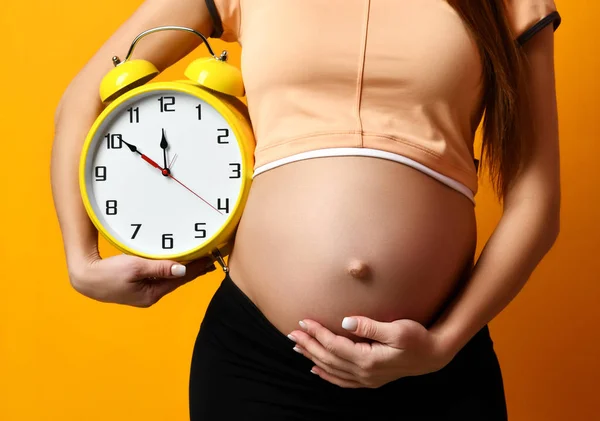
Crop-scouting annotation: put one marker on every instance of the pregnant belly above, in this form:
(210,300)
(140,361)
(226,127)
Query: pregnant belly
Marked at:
(330,237)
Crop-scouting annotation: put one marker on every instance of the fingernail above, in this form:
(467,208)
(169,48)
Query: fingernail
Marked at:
(297,350)
(302,324)
(292,337)
(313,371)
(349,323)
(178,270)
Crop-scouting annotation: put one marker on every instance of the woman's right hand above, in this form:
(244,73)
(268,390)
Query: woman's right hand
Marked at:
(133,280)
(120,279)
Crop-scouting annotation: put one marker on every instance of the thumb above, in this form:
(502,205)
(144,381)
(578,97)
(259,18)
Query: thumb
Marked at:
(160,269)
(369,328)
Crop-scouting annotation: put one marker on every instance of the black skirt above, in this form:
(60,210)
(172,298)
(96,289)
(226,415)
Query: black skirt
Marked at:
(243,368)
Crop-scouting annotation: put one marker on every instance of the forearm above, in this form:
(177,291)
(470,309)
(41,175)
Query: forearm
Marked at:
(81,105)
(78,108)
(525,233)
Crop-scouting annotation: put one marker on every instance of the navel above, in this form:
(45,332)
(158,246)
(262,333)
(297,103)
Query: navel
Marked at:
(359,269)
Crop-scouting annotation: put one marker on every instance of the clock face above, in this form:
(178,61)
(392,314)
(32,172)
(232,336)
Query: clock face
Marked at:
(163,172)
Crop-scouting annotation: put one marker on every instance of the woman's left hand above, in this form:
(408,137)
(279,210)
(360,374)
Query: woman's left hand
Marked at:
(400,348)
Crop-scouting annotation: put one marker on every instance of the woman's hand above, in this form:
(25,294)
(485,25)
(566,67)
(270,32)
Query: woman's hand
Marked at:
(133,280)
(399,348)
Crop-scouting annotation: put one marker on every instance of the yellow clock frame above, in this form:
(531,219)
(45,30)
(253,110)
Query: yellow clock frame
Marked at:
(209,79)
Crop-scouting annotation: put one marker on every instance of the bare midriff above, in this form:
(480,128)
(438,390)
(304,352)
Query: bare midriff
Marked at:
(330,237)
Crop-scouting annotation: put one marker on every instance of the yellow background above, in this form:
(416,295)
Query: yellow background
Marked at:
(66,357)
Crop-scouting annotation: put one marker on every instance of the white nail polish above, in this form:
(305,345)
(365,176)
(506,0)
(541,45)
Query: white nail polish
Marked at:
(349,323)
(291,337)
(297,350)
(178,270)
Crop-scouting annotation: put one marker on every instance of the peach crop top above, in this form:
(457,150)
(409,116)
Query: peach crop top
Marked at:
(395,79)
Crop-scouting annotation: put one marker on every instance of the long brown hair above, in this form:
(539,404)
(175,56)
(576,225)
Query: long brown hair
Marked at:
(503,146)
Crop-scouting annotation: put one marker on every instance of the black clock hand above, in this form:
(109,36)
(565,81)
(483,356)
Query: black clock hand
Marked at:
(133,148)
(164,145)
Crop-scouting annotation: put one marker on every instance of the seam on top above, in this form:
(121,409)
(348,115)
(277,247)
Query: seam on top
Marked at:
(260,149)
(361,69)
(451,181)
(422,148)
(302,136)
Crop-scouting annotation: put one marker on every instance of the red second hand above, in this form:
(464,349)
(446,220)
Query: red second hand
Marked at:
(155,165)
(195,194)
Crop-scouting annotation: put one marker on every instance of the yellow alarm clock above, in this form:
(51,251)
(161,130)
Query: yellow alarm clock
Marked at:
(166,168)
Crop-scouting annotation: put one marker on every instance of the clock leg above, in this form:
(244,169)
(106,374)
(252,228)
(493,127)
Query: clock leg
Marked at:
(217,255)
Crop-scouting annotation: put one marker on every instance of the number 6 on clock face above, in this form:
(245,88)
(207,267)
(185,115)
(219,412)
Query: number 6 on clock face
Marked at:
(163,173)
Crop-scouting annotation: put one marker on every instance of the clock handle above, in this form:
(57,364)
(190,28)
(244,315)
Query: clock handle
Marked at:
(210,72)
(129,74)
(171,28)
